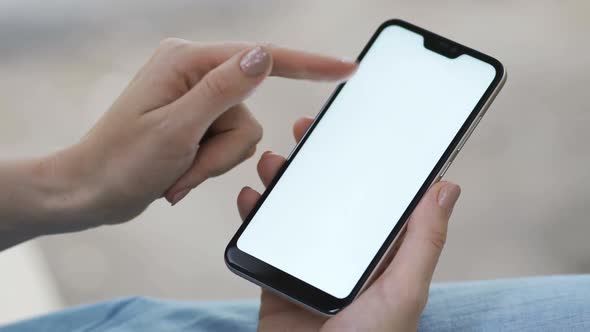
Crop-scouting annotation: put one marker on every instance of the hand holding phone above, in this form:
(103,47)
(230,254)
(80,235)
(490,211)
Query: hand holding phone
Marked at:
(333,215)
(394,302)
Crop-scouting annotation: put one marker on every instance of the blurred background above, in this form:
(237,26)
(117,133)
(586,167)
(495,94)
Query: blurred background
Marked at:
(524,172)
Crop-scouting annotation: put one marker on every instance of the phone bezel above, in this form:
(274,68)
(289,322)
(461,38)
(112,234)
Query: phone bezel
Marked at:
(301,292)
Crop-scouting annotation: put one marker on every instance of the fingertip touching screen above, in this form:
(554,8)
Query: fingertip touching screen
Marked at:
(349,184)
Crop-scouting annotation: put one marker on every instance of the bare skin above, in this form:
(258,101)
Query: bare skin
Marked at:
(180,121)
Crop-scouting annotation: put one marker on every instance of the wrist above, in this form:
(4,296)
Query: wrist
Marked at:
(43,196)
(65,191)
(85,193)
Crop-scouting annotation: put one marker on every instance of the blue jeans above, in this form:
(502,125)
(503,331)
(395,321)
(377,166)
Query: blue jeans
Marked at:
(560,303)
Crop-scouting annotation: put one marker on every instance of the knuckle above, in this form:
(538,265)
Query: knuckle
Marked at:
(172,43)
(256,132)
(170,47)
(251,129)
(215,86)
(436,239)
(251,134)
(176,139)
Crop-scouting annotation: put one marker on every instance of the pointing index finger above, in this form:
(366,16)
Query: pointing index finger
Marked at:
(288,63)
(303,65)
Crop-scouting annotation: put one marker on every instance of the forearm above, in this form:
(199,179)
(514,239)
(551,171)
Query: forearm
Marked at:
(37,197)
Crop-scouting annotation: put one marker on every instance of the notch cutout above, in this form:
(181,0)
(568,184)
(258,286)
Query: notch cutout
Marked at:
(442,46)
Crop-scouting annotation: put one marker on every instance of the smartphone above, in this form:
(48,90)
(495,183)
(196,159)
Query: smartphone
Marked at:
(332,214)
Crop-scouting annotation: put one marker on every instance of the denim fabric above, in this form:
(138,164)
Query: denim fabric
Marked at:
(560,303)
(147,315)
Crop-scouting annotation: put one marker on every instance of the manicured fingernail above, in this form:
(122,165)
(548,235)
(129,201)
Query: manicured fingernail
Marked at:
(255,62)
(448,195)
(266,152)
(179,196)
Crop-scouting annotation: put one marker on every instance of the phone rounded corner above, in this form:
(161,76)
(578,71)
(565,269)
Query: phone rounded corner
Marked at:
(229,255)
(501,72)
(393,22)
(332,311)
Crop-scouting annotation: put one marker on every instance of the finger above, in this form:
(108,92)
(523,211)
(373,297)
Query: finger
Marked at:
(288,63)
(304,65)
(223,87)
(426,233)
(247,198)
(231,139)
(270,163)
(403,287)
(268,166)
(300,127)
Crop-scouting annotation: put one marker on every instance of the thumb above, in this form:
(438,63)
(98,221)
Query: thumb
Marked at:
(399,295)
(225,86)
(426,234)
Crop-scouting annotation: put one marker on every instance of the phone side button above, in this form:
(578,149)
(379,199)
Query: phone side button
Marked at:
(448,164)
(469,132)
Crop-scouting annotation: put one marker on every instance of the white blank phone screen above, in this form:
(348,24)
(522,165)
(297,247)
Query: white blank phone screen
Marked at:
(350,183)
